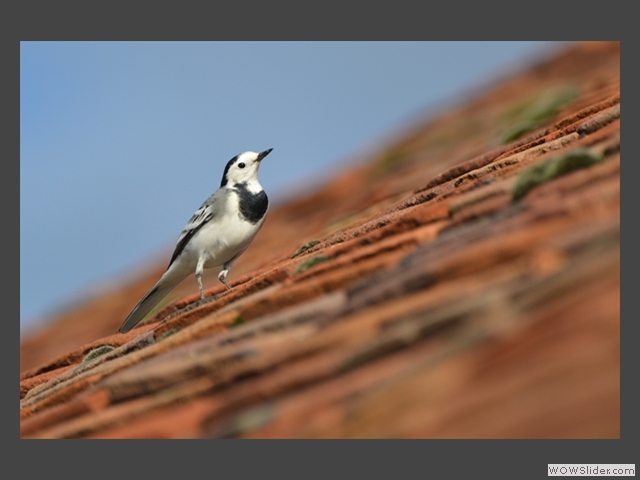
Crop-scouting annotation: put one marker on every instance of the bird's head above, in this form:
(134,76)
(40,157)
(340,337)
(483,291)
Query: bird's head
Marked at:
(243,168)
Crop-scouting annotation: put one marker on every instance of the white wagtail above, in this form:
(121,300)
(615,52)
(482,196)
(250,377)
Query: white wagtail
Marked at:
(217,234)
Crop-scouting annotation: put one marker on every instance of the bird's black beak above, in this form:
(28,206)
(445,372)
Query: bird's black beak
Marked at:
(261,155)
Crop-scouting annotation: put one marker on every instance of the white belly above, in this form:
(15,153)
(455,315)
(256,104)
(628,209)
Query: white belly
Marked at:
(220,244)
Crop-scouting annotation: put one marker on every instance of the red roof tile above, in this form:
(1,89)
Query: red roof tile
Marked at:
(463,283)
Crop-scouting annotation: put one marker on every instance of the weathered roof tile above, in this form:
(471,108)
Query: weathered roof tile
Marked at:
(464,283)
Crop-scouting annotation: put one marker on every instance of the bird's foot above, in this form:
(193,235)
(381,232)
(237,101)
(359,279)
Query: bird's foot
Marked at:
(223,278)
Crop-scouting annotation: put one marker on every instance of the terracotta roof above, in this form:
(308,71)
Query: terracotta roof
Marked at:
(463,282)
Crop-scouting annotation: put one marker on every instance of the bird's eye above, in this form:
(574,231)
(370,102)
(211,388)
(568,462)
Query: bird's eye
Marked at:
(241,165)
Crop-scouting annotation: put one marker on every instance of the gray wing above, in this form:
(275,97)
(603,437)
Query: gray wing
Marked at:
(208,210)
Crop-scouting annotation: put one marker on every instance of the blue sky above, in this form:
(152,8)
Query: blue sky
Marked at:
(120,142)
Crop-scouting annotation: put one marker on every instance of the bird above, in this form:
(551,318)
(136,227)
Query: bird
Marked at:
(217,233)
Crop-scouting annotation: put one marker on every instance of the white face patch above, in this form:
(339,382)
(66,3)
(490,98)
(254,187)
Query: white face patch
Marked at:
(245,170)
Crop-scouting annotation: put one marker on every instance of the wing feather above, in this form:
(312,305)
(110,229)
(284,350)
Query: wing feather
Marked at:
(204,214)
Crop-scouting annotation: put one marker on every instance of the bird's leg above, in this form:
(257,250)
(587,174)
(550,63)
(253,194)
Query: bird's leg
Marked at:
(199,269)
(222,276)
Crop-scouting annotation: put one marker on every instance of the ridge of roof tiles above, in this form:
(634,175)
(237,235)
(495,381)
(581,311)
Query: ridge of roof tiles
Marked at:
(462,283)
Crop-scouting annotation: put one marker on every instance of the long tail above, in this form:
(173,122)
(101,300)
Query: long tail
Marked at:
(150,300)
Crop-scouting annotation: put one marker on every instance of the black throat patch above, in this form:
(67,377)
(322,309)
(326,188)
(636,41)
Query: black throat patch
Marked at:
(253,206)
